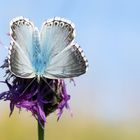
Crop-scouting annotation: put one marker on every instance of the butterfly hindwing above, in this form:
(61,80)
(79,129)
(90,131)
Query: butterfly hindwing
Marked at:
(69,63)
(18,64)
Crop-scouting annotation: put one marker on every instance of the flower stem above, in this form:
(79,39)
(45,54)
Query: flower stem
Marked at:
(40,131)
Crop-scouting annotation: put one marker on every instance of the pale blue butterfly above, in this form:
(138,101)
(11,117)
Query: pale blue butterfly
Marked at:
(50,52)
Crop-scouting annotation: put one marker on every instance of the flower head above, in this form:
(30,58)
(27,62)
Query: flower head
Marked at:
(41,98)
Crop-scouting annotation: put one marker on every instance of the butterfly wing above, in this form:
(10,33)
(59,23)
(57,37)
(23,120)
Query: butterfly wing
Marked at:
(55,35)
(20,49)
(64,59)
(69,63)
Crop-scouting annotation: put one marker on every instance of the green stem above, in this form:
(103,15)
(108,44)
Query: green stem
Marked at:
(40,132)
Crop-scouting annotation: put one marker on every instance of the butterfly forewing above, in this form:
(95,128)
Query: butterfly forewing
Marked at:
(55,35)
(20,52)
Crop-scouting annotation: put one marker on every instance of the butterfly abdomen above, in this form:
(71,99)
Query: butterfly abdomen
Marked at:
(38,62)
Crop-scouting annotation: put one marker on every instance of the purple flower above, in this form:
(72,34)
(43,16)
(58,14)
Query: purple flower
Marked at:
(41,98)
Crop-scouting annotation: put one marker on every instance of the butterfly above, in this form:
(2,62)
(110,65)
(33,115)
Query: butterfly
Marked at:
(50,52)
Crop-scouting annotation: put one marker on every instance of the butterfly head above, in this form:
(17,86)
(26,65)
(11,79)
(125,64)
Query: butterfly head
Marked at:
(38,78)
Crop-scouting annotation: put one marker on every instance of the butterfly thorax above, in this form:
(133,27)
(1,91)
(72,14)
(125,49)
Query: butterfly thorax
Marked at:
(38,63)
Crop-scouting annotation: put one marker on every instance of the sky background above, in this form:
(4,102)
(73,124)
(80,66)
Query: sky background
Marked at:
(109,33)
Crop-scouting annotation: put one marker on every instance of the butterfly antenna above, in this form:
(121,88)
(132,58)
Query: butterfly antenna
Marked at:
(47,84)
(28,85)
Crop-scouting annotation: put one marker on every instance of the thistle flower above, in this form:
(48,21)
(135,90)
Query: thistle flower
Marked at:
(35,54)
(40,98)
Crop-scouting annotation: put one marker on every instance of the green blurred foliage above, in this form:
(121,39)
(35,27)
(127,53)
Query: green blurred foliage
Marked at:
(22,126)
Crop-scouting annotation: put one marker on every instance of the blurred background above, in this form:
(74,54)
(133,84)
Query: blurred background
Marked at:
(106,100)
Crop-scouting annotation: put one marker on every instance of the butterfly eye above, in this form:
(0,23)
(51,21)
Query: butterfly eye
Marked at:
(56,23)
(79,57)
(61,24)
(66,25)
(70,29)
(21,21)
(74,48)
(13,27)
(13,35)
(81,62)
(49,24)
